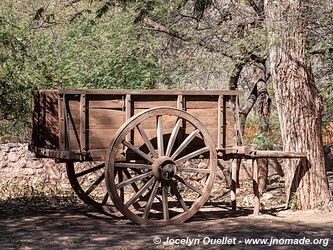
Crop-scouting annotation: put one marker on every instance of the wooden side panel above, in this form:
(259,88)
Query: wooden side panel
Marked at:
(106,114)
(45,120)
(205,108)
(141,103)
(230,125)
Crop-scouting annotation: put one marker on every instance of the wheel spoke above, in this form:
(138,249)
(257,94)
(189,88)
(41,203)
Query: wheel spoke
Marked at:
(95,184)
(121,179)
(193,154)
(87,171)
(185,143)
(147,141)
(140,192)
(136,178)
(195,170)
(179,197)
(173,137)
(138,151)
(165,202)
(128,176)
(105,199)
(188,185)
(151,200)
(132,165)
(159,129)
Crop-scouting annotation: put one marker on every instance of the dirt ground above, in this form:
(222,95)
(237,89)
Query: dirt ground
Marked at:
(76,226)
(64,222)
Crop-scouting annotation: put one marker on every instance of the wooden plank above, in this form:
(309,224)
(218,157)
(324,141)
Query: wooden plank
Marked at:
(220,122)
(61,123)
(230,129)
(83,122)
(106,118)
(277,154)
(180,102)
(128,113)
(50,126)
(208,117)
(150,123)
(212,132)
(128,107)
(146,141)
(201,102)
(255,187)
(233,184)
(150,92)
(159,133)
(107,102)
(100,138)
(155,101)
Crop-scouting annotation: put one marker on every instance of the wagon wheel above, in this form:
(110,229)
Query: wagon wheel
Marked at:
(160,188)
(87,180)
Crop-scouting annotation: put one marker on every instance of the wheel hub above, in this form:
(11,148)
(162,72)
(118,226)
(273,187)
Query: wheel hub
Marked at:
(164,168)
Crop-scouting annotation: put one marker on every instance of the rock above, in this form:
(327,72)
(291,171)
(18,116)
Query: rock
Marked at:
(52,172)
(13,157)
(12,145)
(37,164)
(3,164)
(39,171)
(28,171)
(19,165)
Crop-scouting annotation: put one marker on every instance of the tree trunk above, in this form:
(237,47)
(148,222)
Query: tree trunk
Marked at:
(298,102)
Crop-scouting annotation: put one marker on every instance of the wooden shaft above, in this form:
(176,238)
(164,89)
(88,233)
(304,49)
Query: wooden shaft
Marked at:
(233,184)
(255,187)
(276,154)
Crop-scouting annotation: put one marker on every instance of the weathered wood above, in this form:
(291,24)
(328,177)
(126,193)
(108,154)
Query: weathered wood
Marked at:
(94,116)
(106,118)
(159,132)
(165,171)
(83,122)
(255,187)
(276,154)
(149,92)
(105,102)
(220,123)
(180,102)
(173,137)
(233,184)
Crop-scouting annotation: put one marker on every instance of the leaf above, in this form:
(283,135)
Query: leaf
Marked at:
(76,16)
(182,4)
(143,13)
(39,14)
(104,9)
(200,6)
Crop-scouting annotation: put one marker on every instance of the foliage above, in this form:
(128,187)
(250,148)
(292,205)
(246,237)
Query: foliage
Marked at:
(76,51)
(268,140)
(108,44)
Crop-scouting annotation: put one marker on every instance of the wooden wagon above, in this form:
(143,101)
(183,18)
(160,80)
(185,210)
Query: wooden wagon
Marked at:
(152,154)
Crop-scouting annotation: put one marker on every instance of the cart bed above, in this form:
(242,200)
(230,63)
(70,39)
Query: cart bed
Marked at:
(80,124)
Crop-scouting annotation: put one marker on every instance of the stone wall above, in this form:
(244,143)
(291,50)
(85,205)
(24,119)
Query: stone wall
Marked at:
(17,163)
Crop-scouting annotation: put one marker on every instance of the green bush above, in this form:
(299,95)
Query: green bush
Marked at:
(79,52)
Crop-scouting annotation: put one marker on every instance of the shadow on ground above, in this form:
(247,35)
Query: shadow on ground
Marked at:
(74,226)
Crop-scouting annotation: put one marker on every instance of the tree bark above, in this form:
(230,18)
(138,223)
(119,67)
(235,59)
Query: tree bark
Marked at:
(298,102)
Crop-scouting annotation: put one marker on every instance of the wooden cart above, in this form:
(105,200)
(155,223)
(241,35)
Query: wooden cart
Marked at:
(153,152)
